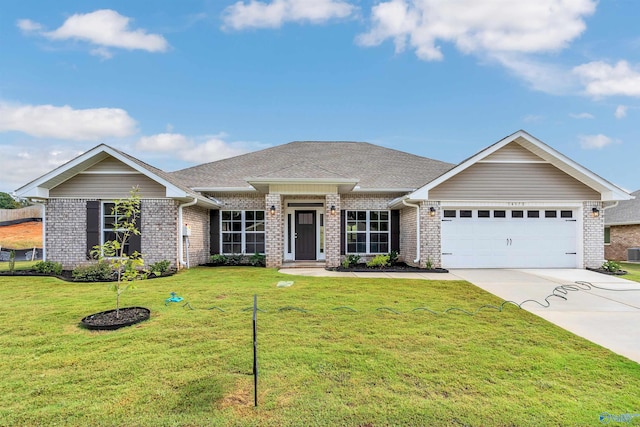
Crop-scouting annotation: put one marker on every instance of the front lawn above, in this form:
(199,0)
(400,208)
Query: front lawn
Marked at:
(633,270)
(324,367)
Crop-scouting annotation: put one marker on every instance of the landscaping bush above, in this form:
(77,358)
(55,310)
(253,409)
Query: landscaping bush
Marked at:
(258,260)
(379,261)
(393,257)
(160,267)
(98,272)
(48,267)
(350,261)
(218,259)
(611,266)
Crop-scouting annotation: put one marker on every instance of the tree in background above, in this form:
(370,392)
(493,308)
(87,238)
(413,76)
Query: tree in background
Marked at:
(8,202)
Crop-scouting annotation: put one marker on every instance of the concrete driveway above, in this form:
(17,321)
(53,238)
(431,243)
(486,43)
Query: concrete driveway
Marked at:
(610,318)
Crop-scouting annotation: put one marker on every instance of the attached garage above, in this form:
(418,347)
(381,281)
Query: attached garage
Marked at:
(529,237)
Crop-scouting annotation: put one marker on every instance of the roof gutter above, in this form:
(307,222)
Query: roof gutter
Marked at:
(404,202)
(180,237)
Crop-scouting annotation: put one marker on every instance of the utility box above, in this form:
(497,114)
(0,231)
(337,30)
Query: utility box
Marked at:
(186,230)
(633,254)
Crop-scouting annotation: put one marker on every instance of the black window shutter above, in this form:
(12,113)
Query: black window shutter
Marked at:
(214,238)
(93,225)
(135,240)
(343,231)
(395,230)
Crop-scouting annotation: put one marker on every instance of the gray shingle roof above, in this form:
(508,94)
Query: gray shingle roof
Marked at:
(627,211)
(374,167)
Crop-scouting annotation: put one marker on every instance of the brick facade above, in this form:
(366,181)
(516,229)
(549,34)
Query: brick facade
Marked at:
(274,235)
(332,231)
(408,234)
(199,241)
(593,235)
(622,237)
(430,235)
(65,234)
(158,230)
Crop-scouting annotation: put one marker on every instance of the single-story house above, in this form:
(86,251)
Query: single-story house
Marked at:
(516,204)
(622,230)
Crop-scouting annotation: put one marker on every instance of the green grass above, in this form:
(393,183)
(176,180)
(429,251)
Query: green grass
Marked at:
(633,270)
(323,367)
(19,265)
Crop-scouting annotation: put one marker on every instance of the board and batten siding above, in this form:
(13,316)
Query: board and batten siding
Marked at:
(108,186)
(513,181)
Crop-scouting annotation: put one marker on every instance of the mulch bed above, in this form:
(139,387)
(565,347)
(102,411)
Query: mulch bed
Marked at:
(67,275)
(398,268)
(114,319)
(610,273)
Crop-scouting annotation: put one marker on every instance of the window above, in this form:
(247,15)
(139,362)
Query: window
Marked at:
(499,214)
(566,214)
(465,214)
(368,232)
(110,230)
(449,213)
(242,232)
(550,214)
(533,214)
(484,214)
(607,235)
(517,214)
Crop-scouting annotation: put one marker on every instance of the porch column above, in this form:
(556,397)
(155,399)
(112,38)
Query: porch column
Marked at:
(593,234)
(332,230)
(430,235)
(274,243)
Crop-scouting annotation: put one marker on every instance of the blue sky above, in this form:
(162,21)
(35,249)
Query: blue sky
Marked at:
(182,83)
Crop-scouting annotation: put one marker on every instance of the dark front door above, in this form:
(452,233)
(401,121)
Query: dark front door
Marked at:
(305,235)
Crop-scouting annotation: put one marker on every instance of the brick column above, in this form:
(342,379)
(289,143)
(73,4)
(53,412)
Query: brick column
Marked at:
(332,231)
(593,235)
(274,238)
(430,235)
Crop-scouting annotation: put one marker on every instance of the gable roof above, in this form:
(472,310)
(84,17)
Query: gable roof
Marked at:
(39,187)
(371,167)
(608,191)
(626,212)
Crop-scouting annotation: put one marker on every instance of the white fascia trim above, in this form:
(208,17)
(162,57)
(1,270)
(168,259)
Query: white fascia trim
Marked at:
(382,190)
(511,205)
(225,189)
(610,192)
(613,224)
(301,181)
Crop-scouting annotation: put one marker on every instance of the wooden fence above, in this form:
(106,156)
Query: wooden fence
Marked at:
(34,211)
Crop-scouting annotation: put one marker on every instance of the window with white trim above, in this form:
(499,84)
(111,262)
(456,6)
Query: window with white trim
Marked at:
(242,232)
(110,220)
(368,232)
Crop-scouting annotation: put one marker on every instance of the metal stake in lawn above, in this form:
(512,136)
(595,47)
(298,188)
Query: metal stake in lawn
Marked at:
(255,351)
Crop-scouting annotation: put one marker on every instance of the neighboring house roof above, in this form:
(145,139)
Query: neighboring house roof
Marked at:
(626,212)
(39,188)
(369,167)
(608,191)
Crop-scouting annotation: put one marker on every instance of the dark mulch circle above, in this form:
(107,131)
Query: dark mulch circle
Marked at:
(115,319)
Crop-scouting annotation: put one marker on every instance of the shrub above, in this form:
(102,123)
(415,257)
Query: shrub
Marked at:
(379,261)
(258,260)
(611,266)
(235,259)
(218,259)
(100,271)
(160,267)
(48,267)
(393,257)
(350,261)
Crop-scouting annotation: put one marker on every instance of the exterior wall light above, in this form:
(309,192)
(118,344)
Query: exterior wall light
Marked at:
(595,212)
(272,211)
(332,210)
(432,211)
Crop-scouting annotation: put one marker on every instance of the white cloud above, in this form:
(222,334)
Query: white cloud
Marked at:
(195,150)
(21,165)
(581,116)
(602,79)
(532,118)
(48,121)
(498,26)
(28,26)
(593,142)
(274,14)
(621,112)
(104,28)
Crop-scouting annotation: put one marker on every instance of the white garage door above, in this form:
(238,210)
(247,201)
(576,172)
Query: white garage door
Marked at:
(497,238)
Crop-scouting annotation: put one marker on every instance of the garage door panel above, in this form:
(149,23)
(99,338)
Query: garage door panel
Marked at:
(509,242)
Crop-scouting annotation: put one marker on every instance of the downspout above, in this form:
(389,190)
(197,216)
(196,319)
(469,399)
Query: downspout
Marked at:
(181,238)
(44,226)
(404,202)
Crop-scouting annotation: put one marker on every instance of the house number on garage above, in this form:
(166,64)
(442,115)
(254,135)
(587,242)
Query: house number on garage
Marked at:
(516,203)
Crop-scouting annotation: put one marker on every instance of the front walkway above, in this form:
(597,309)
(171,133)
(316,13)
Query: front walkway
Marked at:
(607,314)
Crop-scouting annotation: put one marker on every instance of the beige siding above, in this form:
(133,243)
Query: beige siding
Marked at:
(110,164)
(513,152)
(513,181)
(108,186)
